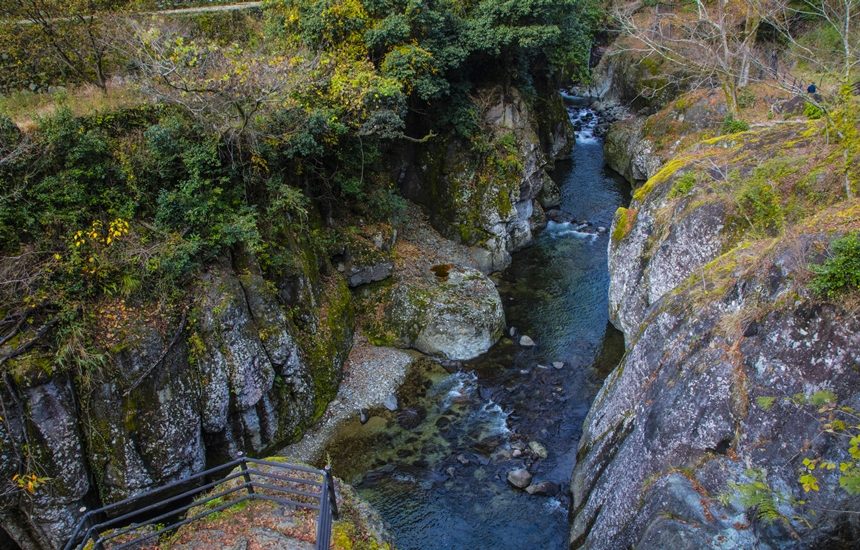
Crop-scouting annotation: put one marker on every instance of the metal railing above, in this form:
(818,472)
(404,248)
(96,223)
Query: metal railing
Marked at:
(164,509)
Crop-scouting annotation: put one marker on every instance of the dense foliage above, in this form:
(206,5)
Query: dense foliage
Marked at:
(248,145)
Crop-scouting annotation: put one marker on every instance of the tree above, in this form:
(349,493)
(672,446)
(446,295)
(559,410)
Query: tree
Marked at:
(76,31)
(837,18)
(225,88)
(714,44)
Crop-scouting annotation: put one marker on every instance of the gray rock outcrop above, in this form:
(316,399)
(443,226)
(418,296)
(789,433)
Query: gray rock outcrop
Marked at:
(491,197)
(730,361)
(177,391)
(457,316)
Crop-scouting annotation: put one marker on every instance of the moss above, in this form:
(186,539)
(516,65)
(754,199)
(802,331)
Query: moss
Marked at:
(326,347)
(667,171)
(765,402)
(26,370)
(683,185)
(624,220)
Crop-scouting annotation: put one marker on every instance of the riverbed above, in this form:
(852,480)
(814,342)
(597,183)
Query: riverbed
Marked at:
(436,469)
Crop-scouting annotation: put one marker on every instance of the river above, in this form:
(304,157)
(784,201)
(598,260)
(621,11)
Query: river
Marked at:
(437,473)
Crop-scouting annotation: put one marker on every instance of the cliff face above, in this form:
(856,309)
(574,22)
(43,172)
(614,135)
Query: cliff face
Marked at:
(489,193)
(175,392)
(734,367)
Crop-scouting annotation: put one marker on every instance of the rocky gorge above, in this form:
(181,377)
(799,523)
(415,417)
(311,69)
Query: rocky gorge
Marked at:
(252,361)
(587,319)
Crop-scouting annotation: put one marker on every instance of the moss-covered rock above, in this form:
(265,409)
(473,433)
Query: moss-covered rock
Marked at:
(484,193)
(456,315)
(170,390)
(728,350)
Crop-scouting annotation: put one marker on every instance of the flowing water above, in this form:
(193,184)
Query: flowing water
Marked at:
(437,469)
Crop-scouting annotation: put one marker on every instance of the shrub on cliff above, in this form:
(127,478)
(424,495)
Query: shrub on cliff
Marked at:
(841,271)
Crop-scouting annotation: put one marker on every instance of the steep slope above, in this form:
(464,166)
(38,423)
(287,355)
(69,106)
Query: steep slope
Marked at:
(735,369)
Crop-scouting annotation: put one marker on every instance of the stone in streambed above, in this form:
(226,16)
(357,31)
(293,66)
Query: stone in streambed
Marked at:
(526,341)
(488,444)
(538,449)
(542,488)
(390,402)
(520,478)
(558,365)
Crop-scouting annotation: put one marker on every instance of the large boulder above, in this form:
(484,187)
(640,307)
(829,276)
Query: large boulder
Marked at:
(456,315)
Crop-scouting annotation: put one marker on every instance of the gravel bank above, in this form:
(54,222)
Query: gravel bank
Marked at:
(371,374)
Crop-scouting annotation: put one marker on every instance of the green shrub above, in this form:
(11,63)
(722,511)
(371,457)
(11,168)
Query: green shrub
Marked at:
(841,271)
(732,125)
(812,111)
(683,185)
(760,206)
(746,98)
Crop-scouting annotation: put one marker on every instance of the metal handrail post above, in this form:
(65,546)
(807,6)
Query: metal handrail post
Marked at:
(244,467)
(322,539)
(332,495)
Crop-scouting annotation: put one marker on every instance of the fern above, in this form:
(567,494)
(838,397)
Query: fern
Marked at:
(758,497)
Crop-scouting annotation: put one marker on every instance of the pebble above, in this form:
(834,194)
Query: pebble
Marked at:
(390,402)
(538,449)
(558,365)
(520,478)
(450,471)
(462,459)
(363,416)
(526,341)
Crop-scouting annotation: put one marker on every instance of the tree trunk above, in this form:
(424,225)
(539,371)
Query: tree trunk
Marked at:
(730,89)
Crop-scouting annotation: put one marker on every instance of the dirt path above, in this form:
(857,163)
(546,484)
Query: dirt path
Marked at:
(174,11)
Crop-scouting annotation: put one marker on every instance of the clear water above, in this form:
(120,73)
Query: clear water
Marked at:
(437,472)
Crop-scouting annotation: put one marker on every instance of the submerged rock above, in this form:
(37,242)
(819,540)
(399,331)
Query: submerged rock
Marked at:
(542,488)
(526,341)
(520,478)
(538,449)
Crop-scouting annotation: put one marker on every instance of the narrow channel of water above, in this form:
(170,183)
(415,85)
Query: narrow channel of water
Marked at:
(437,469)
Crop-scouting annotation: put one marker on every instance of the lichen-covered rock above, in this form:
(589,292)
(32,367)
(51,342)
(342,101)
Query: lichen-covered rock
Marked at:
(176,391)
(629,152)
(486,196)
(143,421)
(457,315)
(653,258)
(730,356)
(245,347)
(721,378)
(50,427)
